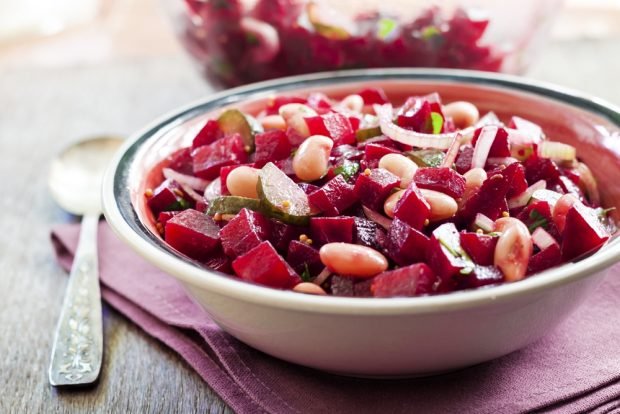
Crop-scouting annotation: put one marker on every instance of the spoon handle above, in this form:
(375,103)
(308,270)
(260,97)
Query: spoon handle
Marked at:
(78,343)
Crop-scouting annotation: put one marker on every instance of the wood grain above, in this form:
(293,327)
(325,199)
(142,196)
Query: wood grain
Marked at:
(43,110)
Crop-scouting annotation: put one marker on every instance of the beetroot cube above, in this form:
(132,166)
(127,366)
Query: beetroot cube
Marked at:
(445,254)
(339,128)
(412,208)
(515,174)
(537,169)
(302,256)
(263,265)
(181,161)
(319,101)
(480,247)
(332,229)
(416,114)
(373,153)
(411,280)
(481,276)
(167,196)
(444,180)
(500,146)
(316,126)
(545,259)
(368,233)
(245,231)
(274,104)
(374,188)
(361,289)
(530,129)
(334,197)
(583,232)
(539,214)
(490,200)
(308,188)
(218,261)
(271,146)
(282,234)
(208,159)
(208,134)
(164,216)
(405,245)
(373,96)
(464,158)
(192,233)
(342,286)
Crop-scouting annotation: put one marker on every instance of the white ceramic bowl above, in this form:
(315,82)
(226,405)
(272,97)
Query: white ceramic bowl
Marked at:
(381,337)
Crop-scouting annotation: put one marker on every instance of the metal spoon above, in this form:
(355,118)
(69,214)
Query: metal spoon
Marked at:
(75,183)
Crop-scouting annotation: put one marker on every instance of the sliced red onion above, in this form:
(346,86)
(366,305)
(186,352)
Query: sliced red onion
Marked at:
(194,183)
(266,36)
(192,193)
(542,238)
(322,277)
(380,219)
(483,146)
(588,183)
(523,198)
(489,119)
(213,190)
(452,152)
(485,223)
(501,161)
(548,196)
(413,138)
(556,151)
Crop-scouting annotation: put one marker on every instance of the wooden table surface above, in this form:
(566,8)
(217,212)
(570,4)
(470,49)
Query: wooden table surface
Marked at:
(43,110)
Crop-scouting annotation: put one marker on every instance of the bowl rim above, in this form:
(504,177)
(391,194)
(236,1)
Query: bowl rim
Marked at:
(117,204)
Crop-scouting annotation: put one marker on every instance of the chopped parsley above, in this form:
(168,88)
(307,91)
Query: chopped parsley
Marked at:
(538,220)
(305,275)
(347,170)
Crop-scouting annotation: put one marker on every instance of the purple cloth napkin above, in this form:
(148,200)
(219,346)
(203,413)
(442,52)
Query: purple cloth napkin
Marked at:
(574,369)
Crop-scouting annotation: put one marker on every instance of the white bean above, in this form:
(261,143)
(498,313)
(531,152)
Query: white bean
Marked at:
(311,160)
(464,114)
(442,205)
(473,181)
(390,203)
(352,260)
(273,122)
(514,248)
(309,289)
(242,181)
(294,114)
(400,166)
(354,103)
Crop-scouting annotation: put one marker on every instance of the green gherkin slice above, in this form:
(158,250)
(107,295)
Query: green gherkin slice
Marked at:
(232,205)
(427,158)
(234,121)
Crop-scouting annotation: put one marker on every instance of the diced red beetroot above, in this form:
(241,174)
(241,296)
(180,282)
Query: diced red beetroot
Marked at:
(263,265)
(332,229)
(545,259)
(192,233)
(444,252)
(537,169)
(480,247)
(500,147)
(282,234)
(308,188)
(463,159)
(412,208)
(405,245)
(406,281)
(569,187)
(164,216)
(416,115)
(444,180)
(480,276)
(271,146)
(374,188)
(319,101)
(373,96)
(218,261)
(530,129)
(224,171)
(342,286)
(374,152)
(286,166)
(339,128)
(294,137)
(515,174)
(209,133)
(334,197)
(167,196)
(367,233)
(208,159)
(355,122)
(490,200)
(361,289)
(583,232)
(301,256)
(539,214)
(245,231)
(274,104)
(316,126)
(202,205)
(181,161)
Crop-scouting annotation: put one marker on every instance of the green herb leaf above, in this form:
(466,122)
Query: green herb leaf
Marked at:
(430,32)
(538,221)
(305,275)
(427,158)
(436,122)
(347,170)
(385,27)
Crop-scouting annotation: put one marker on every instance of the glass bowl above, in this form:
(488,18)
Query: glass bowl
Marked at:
(241,41)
